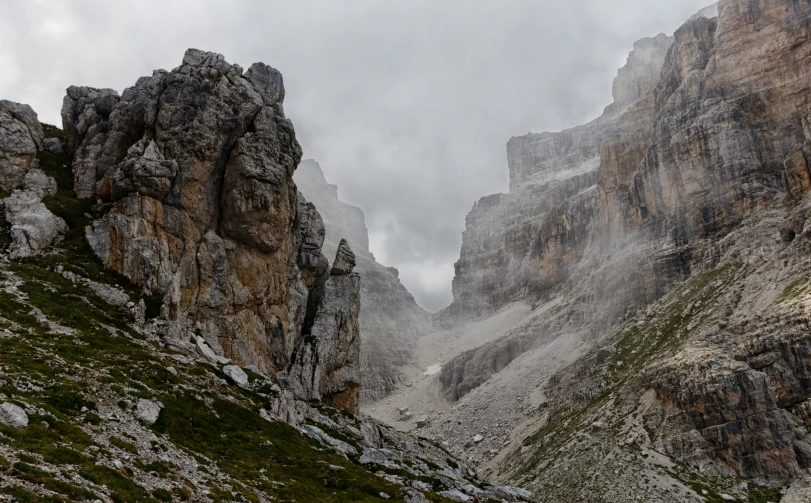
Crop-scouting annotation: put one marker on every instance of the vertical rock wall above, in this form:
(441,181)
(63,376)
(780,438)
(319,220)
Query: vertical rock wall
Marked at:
(390,319)
(193,171)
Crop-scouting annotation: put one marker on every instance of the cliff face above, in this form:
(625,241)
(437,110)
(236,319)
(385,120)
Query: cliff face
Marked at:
(390,319)
(700,205)
(193,169)
(518,246)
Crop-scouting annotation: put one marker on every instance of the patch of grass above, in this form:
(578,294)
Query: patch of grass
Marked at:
(52,131)
(252,451)
(20,495)
(124,445)
(162,494)
(123,490)
(47,480)
(711,488)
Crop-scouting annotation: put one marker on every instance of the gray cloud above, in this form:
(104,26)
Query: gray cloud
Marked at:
(406,104)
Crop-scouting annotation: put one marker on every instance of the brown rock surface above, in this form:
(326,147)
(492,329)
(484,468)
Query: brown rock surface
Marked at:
(194,168)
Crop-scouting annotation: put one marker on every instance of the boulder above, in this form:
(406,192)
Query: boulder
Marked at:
(13,415)
(237,375)
(339,445)
(38,182)
(147,411)
(33,226)
(53,145)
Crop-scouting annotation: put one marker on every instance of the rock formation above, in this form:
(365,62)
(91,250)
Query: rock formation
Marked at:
(518,246)
(691,259)
(21,139)
(194,170)
(390,319)
(33,227)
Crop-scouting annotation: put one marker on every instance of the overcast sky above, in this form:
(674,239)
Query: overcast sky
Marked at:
(406,104)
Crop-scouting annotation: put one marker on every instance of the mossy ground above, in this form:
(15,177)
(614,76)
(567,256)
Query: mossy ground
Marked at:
(71,359)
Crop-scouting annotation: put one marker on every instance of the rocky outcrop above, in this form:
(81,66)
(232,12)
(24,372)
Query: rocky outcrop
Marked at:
(326,364)
(193,169)
(21,138)
(390,319)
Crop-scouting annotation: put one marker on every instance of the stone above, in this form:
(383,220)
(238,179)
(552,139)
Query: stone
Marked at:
(605,353)
(13,415)
(38,182)
(339,445)
(727,497)
(415,497)
(21,138)
(53,145)
(381,457)
(478,439)
(172,371)
(327,368)
(237,375)
(33,227)
(147,411)
(344,260)
(422,422)
(204,350)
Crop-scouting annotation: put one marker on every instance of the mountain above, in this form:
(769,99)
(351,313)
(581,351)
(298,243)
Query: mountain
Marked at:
(169,327)
(390,319)
(647,278)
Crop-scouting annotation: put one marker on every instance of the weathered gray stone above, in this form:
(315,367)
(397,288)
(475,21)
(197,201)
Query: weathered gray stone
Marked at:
(237,375)
(339,445)
(390,319)
(21,137)
(38,182)
(202,208)
(13,415)
(53,145)
(147,411)
(33,226)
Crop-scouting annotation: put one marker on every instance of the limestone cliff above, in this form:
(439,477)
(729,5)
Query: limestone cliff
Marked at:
(193,170)
(390,319)
(693,265)
(518,246)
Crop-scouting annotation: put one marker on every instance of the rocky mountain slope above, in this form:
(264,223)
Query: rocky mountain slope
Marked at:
(661,251)
(390,319)
(170,329)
